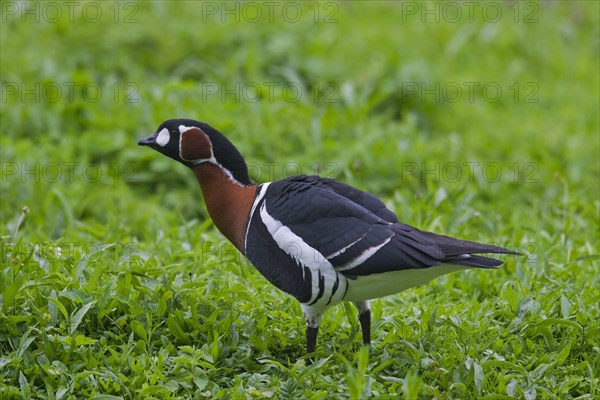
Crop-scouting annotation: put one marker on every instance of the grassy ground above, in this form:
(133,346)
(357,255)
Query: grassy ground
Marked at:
(482,125)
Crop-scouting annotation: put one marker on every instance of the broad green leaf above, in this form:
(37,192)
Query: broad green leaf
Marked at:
(78,316)
(176,331)
(85,259)
(24,386)
(565,307)
(59,306)
(139,329)
(564,353)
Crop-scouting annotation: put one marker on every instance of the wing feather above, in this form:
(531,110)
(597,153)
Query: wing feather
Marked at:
(358,235)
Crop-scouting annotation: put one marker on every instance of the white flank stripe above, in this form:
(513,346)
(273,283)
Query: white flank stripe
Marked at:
(365,255)
(307,257)
(288,241)
(343,249)
(261,194)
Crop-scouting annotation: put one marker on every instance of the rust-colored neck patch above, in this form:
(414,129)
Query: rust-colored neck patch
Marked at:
(194,145)
(227,202)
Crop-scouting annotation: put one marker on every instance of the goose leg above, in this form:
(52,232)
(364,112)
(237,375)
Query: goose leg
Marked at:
(313,320)
(364,317)
(311,338)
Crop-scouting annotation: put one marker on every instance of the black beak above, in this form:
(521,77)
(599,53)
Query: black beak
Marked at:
(148,140)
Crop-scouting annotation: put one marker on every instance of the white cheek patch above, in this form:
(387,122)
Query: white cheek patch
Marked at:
(163,137)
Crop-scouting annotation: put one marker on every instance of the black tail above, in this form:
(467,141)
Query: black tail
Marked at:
(462,252)
(475,261)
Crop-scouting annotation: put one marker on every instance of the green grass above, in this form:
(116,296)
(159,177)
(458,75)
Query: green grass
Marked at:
(117,285)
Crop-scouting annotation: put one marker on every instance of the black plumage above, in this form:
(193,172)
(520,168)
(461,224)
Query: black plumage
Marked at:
(330,217)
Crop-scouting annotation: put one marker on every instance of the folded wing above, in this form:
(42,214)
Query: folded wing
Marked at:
(358,235)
